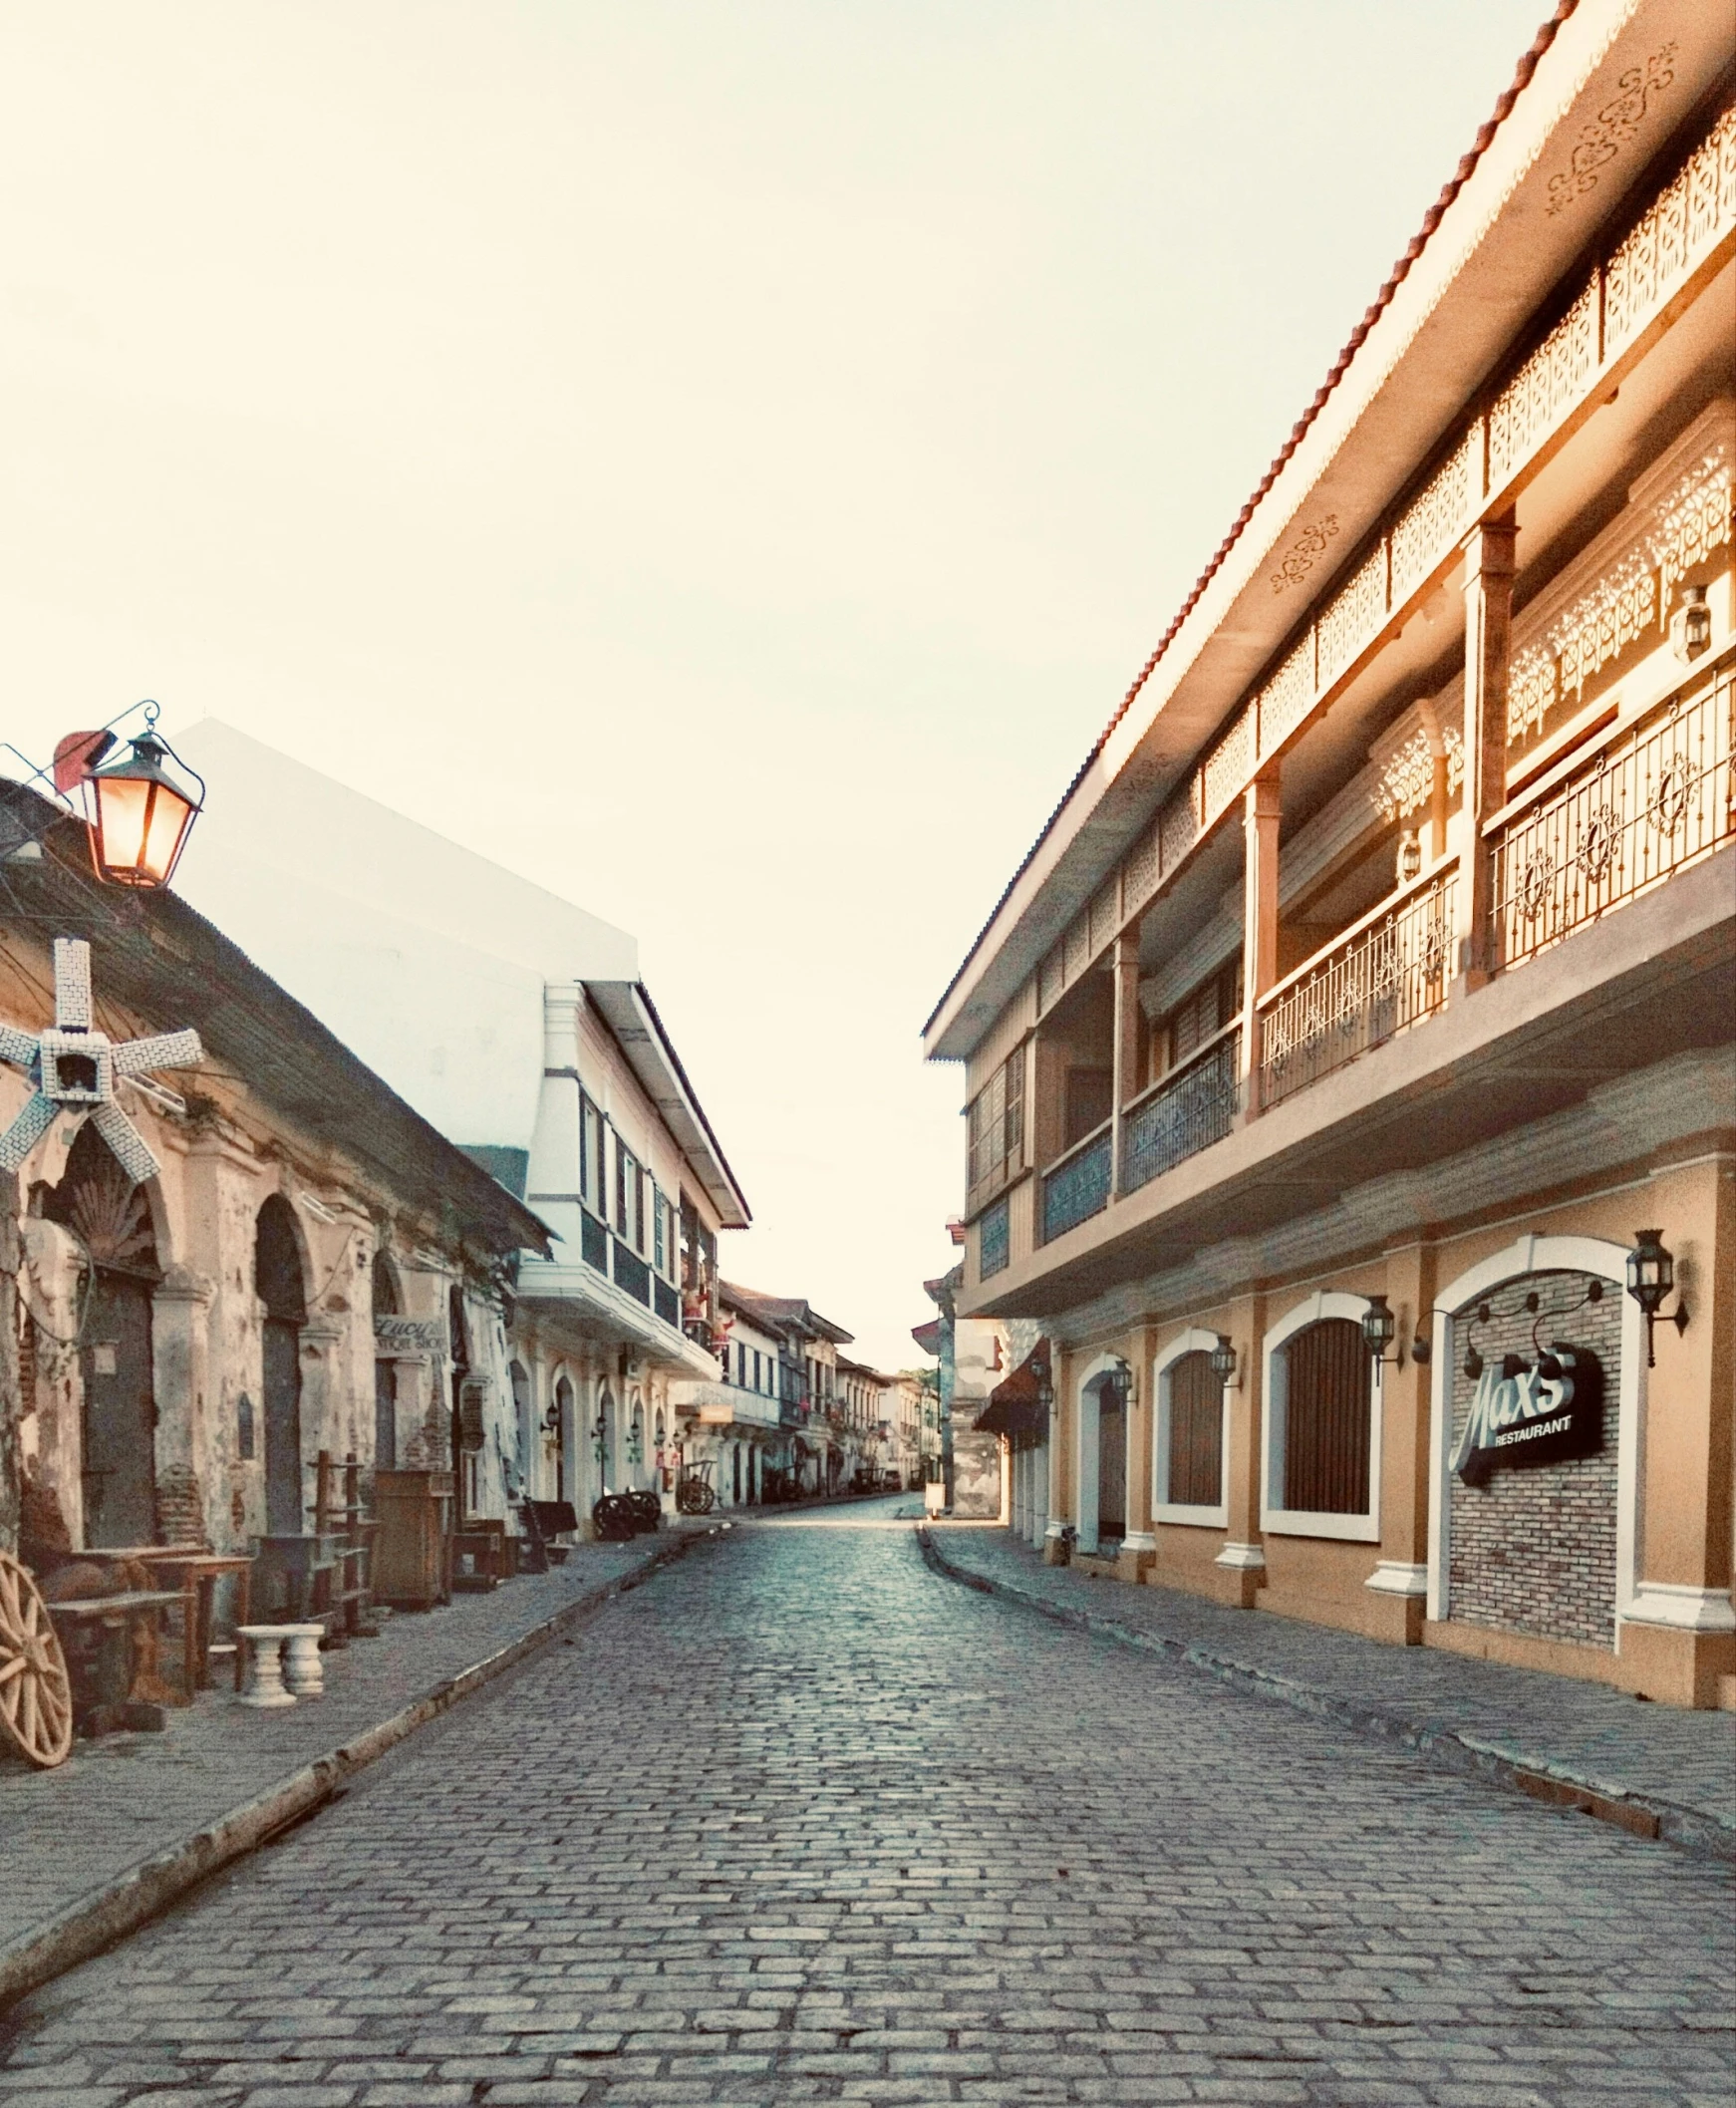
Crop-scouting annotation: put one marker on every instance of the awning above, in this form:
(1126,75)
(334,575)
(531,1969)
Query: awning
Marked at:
(1015,1408)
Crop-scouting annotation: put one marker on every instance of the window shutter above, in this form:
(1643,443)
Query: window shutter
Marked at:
(1326,1419)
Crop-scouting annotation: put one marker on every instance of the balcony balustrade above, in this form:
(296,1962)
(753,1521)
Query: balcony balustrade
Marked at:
(1077,1185)
(1618,818)
(1386,973)
(1188,1109)
(1655,799)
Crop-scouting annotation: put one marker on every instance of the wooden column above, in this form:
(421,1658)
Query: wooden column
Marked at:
(1125,1054)
(1261,818)
(1489,568)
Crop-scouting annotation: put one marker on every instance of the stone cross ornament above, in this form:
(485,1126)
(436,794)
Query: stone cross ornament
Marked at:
(74,1069)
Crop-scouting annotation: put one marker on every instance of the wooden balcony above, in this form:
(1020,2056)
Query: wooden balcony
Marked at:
(1597,861)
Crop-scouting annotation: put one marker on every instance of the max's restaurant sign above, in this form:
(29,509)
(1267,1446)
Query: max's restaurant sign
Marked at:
(1533,1412)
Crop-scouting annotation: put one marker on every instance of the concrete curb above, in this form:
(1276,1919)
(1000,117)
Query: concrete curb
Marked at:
(1451,1748)
(105,1914)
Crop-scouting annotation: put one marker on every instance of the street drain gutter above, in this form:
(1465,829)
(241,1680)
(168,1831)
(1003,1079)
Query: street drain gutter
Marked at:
(102,1915)
(1451,1748)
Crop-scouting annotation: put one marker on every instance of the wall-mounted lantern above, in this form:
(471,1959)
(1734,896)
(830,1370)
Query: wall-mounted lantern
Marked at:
(1652,1276)
(1379,1329)
(1224,1360)
(1691,627)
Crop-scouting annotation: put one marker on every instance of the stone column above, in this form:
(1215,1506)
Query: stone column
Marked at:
(1242,1559)
(1054,1546)
(1677,1638)
(1125,1053)
(1488,567)
(1400,1577)
(192,1447)
(1261,817)
(1139,1543)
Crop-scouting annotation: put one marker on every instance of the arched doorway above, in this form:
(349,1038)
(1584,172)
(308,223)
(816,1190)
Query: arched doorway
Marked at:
(278,1281)
(603,1439)
(563,1416)
(386,1305)
(524,1430)
(1102,1458)
(110,1218)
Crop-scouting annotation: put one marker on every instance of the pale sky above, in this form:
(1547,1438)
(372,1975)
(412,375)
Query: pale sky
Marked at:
(724,460)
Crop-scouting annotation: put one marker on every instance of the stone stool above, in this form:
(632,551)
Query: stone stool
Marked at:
(303,1672)
(263,1668)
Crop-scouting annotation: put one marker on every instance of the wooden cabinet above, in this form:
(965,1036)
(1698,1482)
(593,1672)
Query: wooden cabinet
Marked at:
(413,1552)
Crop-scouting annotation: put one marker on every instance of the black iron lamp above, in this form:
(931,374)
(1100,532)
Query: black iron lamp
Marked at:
(1691,630)
(1045,1390)
(1379,1328)
(1652,1276)
(1223,1359)
(140,810)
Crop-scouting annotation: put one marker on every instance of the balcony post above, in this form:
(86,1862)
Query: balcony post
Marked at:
(1489,568)
(1261,815)
(1125,1054)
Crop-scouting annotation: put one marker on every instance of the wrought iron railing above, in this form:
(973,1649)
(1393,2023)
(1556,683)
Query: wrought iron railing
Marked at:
(1186,1112)
(1386,973)
(667,1302)
(1649,804)
(1077,1186)
(993,1241)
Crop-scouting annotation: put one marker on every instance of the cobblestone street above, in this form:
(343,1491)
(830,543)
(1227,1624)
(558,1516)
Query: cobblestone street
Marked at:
(802,1820)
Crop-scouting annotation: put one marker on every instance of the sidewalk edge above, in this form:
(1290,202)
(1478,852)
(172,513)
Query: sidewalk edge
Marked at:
(1453,1749)
(102,1915)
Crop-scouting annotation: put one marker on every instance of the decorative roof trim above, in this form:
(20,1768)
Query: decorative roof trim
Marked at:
(1528,65)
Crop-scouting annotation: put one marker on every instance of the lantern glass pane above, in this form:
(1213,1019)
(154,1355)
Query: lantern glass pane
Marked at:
(122,814)
(163,836)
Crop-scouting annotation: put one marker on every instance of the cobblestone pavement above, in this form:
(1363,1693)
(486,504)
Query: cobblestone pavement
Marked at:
(124,1797)
(800,1820)
(1602,1737)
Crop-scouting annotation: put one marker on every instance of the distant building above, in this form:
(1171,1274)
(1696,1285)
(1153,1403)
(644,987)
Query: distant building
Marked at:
(519,1026)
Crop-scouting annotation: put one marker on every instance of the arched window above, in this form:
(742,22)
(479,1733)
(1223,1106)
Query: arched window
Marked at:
(1322,1423)
(1325,1449)
(1190,1438)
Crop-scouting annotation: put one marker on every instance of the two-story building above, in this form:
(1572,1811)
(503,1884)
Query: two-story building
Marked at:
(741,1426)
(1349,1059)
(518,1024)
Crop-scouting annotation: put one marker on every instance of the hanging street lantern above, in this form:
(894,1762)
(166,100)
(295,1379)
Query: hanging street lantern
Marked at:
(1223,1359)
(1651,1275)
(138,809)
(140,815)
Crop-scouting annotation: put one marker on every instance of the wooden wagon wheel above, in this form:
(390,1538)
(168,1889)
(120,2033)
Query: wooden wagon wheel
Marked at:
(36,1697)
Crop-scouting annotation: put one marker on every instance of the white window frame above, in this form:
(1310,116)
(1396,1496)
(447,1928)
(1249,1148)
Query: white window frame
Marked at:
(1275,1519)
(1192,1514)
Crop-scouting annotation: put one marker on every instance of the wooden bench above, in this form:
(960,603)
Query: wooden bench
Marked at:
(543,1521)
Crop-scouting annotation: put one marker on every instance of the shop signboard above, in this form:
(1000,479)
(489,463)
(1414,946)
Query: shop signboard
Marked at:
(1524,1413)
(410,1335)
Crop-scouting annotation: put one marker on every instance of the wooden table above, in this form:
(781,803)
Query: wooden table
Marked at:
(194,1572)
(99,1635)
